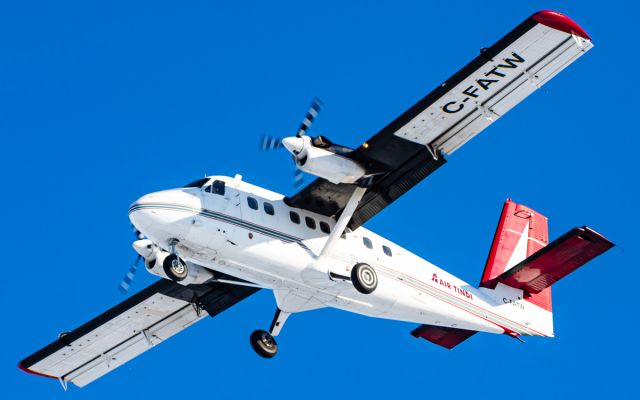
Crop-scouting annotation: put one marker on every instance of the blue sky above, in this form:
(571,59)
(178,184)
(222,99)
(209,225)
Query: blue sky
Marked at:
(102,103)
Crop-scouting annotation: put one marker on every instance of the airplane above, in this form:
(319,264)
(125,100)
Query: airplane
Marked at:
(219,239)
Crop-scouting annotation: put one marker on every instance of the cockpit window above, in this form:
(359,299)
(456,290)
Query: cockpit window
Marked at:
(197,184)
(217,187)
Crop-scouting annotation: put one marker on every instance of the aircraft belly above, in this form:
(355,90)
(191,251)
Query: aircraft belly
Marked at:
(400,295)
(421,308)
(396,301)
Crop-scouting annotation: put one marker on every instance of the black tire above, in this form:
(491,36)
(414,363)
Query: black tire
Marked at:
(364,278)
(175,268)
(263,344)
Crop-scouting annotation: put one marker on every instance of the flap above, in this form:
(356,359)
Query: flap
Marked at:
(552,263)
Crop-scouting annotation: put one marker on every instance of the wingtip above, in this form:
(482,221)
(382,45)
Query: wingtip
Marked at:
(561,22)
(31,372)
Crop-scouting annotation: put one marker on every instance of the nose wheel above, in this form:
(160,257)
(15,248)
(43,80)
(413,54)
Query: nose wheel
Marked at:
(264,344)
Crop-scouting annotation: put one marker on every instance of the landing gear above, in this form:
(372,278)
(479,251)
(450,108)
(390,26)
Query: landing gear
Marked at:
(364,278)
(175,268)
(264,344)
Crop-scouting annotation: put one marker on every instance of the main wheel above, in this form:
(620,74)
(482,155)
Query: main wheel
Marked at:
(264,344)
(364,278)
(175,268)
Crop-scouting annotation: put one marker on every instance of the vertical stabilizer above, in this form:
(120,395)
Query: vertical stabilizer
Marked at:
(521,232)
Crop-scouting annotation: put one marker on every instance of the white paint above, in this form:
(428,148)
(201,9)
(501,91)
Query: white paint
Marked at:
(406,290)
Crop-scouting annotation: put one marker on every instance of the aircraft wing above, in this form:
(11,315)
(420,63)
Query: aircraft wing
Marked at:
(130,328)
(412,146)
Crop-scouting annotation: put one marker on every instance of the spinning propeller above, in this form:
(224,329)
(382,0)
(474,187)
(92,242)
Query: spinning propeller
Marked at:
(273,143)
(131,274)
(314,109)
(317,155)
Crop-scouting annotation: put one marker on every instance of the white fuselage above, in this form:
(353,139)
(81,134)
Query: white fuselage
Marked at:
(248,233)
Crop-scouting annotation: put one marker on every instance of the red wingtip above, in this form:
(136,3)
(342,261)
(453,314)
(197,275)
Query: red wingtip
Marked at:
(28,371)
(561,22)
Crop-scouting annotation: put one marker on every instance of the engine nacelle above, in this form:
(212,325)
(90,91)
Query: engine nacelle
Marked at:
(323,163)
(154,263)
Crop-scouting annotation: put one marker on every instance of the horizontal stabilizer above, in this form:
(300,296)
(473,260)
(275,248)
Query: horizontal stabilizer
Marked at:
(555,261)
(443,336)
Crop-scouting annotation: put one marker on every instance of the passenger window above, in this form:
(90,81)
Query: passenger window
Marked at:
(387,251)
(253,203)
(295,218)
(367,242)
(311,223)
(324,227)
(268,208)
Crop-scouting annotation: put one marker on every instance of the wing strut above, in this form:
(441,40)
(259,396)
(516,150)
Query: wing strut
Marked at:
(344,219)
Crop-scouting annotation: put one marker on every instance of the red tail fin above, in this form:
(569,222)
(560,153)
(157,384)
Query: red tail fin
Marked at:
(520,233)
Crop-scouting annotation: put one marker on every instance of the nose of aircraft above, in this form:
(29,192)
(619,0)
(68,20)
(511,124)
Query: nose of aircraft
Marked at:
(141,214)
(167,213)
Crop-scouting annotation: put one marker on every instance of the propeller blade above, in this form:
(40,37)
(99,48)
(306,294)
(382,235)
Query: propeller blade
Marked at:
(311,115)
(270,143)
(298,177)
(128,278)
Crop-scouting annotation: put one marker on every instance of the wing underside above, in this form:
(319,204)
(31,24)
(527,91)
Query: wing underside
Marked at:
(413,146)
(131,328)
